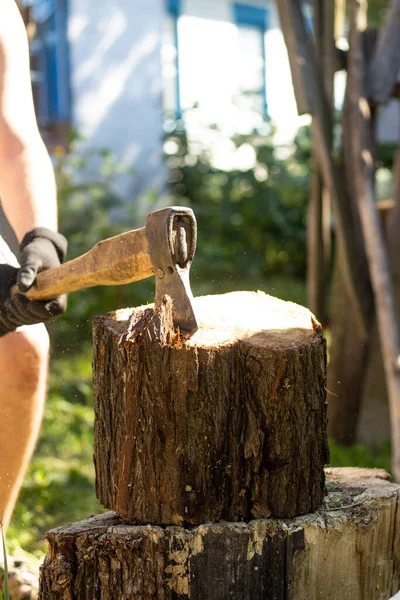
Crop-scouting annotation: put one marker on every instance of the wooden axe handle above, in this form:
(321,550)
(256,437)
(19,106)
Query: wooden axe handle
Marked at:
(118,260)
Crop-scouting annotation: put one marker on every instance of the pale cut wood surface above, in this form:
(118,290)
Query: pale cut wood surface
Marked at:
(348,550)
(225,319)
(118,260)
(226,425)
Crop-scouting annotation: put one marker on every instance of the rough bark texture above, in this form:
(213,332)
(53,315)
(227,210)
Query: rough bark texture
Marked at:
(348,550)
(228,425)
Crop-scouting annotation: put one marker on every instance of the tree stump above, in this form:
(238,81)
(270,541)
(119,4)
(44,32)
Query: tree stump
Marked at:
(228,425)
(348,550)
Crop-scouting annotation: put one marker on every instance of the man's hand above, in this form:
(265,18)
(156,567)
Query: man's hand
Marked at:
(40,249)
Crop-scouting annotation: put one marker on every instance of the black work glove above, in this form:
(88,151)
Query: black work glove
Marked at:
(40,249)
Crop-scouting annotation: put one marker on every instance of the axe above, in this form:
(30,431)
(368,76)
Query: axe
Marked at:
(164,248)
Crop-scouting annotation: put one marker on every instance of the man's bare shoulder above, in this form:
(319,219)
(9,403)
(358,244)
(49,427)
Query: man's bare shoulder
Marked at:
(17,115)
(12,29)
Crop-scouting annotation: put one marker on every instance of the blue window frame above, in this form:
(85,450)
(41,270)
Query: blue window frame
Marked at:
(247,16)
(50,61)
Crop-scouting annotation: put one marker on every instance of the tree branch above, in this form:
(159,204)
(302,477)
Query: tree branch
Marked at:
(311,98)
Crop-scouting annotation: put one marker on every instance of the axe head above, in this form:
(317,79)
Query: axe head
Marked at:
(171,235)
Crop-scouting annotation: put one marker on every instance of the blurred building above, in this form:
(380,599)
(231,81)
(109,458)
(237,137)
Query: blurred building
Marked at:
(122,72)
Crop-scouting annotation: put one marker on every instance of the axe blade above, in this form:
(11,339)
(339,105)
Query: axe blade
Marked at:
(172,235)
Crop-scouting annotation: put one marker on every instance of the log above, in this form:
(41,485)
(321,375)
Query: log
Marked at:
(378,261)
(348,550)
(228,425)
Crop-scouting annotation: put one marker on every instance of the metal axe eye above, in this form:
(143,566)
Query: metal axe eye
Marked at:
(183,239)
(180,241)
(171,234)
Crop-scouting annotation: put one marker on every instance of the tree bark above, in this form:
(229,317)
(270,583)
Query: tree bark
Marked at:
(228,425)
(349,549)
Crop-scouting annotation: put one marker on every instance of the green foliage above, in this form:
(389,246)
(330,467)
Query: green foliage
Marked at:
(360,455)
(88,212)
(59,485)
(377,11)
(251,222)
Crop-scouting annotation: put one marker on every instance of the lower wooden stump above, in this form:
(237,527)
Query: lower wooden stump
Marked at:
(347,550)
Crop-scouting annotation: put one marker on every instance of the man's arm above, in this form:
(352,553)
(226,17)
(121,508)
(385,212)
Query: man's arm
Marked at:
(27,186)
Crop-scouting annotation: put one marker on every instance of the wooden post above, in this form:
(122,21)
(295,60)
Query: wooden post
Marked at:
(349,350)
(229,425)
(318,215)
(348,550)
(363,164)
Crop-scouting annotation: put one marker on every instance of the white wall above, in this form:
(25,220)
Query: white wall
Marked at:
(115,58)
(216,17)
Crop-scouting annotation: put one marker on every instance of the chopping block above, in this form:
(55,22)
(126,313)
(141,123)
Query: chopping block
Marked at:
(228,425)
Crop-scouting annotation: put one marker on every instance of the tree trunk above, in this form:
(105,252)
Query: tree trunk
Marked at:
(350,346)
(358,407)
(374,424)
(228,425)
(363,172)
(319,209)
(348,550)
(347,362)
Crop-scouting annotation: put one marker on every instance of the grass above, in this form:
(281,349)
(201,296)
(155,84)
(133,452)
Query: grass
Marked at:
(360,455)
